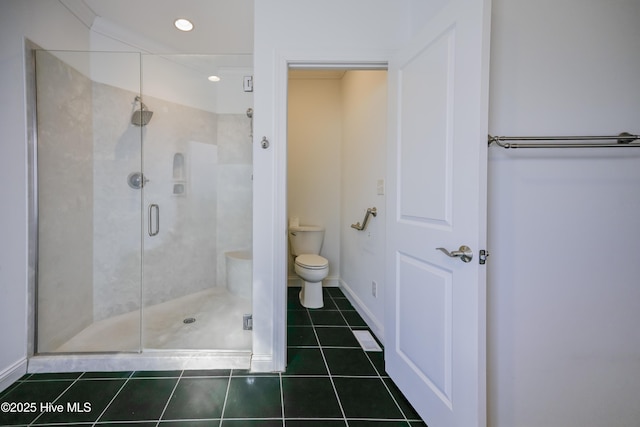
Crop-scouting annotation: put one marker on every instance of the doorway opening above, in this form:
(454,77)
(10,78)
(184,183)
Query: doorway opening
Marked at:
(336,156)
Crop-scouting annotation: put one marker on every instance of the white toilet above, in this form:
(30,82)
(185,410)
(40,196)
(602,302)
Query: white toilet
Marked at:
(305,243)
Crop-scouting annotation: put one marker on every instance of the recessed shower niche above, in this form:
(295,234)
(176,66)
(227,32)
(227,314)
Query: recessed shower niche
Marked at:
(179,185)
(120,267)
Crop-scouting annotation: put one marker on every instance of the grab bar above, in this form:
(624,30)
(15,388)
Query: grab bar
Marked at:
(371,211)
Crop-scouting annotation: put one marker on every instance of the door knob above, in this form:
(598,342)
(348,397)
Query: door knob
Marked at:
(464,253)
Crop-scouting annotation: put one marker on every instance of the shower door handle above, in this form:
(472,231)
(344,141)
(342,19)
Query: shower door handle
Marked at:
(153,207)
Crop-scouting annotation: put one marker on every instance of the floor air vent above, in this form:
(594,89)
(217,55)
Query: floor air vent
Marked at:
(366,340)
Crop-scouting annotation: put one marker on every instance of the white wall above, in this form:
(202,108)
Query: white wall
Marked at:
(563,298)
(40,21)
(362,253)
(293,30)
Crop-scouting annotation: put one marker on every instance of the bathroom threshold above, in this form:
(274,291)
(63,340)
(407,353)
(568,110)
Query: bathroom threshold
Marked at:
(149,360)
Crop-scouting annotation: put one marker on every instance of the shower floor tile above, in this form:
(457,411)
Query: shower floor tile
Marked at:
(330,382)
(216,311)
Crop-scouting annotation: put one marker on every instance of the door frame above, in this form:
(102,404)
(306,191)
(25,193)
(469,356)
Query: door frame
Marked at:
(277,228)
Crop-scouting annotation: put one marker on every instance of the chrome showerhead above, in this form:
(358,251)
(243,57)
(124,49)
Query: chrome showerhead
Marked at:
(142,116)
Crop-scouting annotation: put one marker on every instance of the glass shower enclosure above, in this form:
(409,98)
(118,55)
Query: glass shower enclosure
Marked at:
(144,168)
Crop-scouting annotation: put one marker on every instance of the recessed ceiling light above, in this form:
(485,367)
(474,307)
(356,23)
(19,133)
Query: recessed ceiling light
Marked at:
(213,78)
(183,24)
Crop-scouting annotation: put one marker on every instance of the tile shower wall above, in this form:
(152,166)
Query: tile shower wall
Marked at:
(117,207)
(65,201)
(180,260)
(235,188)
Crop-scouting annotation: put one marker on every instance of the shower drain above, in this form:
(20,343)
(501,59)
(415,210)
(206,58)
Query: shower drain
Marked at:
(189,320)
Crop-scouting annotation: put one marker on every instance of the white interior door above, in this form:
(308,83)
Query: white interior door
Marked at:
(435,304)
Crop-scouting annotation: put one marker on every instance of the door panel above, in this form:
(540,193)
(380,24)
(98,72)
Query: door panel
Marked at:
(434,304)
(424,294)
(425,169)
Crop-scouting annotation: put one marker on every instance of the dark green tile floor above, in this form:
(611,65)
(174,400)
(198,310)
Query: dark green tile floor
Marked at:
(330,381)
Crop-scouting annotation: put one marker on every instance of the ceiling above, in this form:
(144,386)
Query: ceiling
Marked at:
(220,26)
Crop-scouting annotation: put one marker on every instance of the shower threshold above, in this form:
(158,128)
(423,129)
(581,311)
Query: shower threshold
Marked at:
(149,360)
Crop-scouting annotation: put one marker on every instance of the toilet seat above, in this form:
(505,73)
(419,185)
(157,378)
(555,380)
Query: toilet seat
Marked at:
(312,261)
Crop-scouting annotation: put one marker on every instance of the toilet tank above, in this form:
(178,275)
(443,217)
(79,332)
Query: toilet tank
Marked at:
(306,239)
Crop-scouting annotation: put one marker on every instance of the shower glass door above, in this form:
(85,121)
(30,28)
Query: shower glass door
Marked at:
(197,162)
(144,202)
(198,198)
(89,249)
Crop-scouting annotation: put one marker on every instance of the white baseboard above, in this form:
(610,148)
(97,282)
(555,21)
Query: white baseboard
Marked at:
(13,373)
(374,324)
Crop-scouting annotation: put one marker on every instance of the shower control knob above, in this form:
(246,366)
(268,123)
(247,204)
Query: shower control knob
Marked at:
(136,180)
(265,142)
